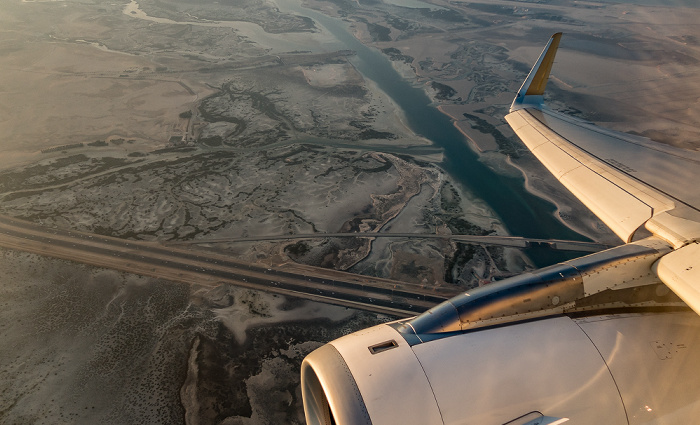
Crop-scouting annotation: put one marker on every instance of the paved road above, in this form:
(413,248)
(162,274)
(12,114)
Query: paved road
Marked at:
(513,241)
(210,269)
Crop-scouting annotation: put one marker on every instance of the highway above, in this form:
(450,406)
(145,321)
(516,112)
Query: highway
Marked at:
(511,241)
(212,269)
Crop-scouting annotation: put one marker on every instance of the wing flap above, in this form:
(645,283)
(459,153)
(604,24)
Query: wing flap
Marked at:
(680,272)
(573,144)
(667,169)
(618,209)
(557,161)
(621,202)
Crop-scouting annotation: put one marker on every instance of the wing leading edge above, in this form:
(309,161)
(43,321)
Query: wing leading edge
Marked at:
(629,182)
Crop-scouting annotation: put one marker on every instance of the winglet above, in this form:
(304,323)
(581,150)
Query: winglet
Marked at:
(530,93)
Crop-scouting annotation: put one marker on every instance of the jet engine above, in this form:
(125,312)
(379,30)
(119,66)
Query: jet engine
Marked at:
(549,347)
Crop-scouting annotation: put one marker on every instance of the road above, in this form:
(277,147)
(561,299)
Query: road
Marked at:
(211,269)
(512,241)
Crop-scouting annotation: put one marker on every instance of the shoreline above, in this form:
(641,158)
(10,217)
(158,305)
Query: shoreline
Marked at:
(584,227)
(478,146)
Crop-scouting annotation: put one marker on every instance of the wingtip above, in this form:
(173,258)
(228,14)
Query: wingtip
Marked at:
(532,90)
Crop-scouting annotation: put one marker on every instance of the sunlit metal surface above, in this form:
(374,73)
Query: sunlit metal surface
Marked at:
(494,375)
(549,291)
(654,361)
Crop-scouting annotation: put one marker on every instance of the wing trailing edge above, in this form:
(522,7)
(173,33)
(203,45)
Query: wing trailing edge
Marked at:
(621,202)
(680,271)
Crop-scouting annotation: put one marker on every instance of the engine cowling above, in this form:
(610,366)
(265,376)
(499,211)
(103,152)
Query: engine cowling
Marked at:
(489,376)
(368,377)
(625,368)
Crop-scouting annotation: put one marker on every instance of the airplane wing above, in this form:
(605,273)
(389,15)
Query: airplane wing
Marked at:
(546,346)
(631,183)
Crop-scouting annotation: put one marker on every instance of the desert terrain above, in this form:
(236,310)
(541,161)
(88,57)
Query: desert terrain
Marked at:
(182,121)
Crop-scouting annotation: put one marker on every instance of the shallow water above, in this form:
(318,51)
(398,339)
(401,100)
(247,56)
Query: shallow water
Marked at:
(522,213)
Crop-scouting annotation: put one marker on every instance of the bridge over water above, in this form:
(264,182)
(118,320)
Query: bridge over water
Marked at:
(511,241)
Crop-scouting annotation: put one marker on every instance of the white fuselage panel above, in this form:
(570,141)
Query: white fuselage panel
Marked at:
(613,369)
(496,375)
(654,359)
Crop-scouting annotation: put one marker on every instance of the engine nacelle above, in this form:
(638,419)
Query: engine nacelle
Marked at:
(547,371)
(368,377)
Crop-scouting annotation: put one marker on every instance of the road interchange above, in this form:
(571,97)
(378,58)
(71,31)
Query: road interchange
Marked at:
(211,269)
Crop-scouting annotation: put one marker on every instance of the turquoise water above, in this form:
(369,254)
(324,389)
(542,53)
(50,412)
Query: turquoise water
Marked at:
(522,213)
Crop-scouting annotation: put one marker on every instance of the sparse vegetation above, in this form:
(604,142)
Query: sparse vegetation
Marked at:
(505,145)
(379,32)
(396,55)
(444,91)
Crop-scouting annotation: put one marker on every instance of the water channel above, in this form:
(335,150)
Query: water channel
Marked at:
(522,213)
